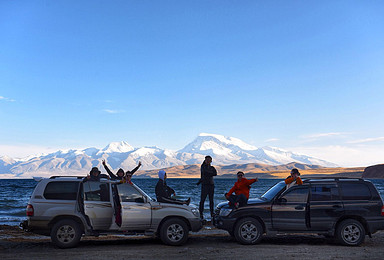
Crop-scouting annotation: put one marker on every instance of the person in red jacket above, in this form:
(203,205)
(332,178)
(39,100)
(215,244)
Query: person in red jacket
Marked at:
(241,190)
(294,179)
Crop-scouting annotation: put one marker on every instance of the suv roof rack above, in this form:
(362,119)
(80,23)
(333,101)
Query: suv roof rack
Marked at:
(77,177)
(331,178)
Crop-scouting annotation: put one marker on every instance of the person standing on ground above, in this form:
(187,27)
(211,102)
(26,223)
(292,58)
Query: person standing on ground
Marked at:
(207,185)
(241,190)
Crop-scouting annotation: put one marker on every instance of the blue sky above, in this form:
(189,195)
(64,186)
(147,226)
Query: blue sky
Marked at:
(306,76)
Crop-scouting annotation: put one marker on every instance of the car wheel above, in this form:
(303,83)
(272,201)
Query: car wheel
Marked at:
(174,232)
(350,232)
(66,233)
(248,231)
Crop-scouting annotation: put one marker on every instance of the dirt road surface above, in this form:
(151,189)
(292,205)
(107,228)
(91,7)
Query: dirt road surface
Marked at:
(208,243)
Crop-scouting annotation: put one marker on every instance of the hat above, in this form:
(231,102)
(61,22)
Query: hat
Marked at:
(162,174)
(296,171)
(120,170)
(95,169)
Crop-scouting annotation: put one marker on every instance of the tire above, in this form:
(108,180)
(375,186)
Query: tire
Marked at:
(66,233)
(174,232)
(248,231)
(350,232)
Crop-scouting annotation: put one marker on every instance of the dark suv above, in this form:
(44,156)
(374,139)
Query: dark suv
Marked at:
(344,208)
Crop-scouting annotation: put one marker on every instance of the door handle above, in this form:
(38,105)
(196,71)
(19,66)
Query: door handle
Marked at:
(336,206)
(89,207)
(299,207)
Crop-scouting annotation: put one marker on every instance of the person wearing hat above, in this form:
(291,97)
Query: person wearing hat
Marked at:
(94,175)
(241,190)
(120,173)
(164,192)
(294,179)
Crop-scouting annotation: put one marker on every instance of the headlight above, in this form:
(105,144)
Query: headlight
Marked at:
(196,212)
(225,212)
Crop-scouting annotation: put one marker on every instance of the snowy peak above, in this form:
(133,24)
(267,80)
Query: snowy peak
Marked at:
(216,145)
(118,147)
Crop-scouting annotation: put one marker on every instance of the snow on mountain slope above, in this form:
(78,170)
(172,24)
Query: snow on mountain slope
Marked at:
(224,150)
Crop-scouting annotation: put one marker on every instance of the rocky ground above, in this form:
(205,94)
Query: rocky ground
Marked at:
(209,243)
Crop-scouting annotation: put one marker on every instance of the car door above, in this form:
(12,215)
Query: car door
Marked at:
(325,206)
(136,210)
(97,204)
(289,210)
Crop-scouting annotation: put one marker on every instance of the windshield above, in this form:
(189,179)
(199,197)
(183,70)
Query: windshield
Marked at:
(271,193)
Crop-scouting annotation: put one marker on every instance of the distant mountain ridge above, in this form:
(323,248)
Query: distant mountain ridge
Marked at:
(224,151)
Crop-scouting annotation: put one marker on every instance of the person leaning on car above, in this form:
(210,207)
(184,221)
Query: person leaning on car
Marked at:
(294,179)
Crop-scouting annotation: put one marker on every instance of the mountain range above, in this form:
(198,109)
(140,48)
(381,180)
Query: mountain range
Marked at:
(224,151)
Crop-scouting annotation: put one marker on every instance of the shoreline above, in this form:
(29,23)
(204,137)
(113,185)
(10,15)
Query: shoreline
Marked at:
(208,243)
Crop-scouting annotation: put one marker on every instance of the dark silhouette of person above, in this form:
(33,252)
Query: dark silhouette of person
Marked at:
(164,192)
(207,184)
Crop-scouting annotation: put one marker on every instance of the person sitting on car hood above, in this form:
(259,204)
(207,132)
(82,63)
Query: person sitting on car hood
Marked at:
(164,192)
(241,190)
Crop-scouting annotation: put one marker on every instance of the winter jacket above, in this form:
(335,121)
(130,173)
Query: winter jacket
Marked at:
(290,181)
(206,174)
(163,192)
(242,187)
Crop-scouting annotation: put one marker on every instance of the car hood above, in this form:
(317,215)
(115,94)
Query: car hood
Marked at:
(250,201)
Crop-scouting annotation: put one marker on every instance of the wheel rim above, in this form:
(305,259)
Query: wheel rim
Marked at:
(249,232)
(66,234)
(175,232)
(351,233)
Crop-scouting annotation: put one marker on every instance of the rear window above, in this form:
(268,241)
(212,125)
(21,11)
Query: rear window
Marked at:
(61,190)
(355,191)
(324,192)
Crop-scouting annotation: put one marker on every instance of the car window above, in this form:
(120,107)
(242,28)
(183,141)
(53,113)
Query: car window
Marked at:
(355,191)
(323,192)
(128,193)
(61,190)
(96,191)
(271,193)
(298,195)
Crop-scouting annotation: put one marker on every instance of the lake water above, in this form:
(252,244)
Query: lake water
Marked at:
(14,194)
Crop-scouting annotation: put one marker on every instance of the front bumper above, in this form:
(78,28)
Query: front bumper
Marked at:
(196,224)
(224,222)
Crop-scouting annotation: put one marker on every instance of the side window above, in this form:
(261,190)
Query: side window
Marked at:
(96,191)
(128,193)
(61,190)
(324,192)
(355,191)
(299,195)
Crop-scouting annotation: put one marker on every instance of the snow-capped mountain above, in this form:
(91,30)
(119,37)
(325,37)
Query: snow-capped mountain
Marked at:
(224,151)
(230,150)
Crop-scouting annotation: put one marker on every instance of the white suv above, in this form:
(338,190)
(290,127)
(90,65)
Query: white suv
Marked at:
(68,207)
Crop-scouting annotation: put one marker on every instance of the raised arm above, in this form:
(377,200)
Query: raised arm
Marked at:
(108,170)
(135,169)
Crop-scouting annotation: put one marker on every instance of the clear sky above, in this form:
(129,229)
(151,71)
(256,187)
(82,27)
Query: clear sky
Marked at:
(307,76)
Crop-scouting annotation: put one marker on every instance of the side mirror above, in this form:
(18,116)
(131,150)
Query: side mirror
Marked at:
(282,200)
(140,200)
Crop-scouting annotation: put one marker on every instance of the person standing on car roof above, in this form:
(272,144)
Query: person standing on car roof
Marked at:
(207,185)
(294,179)
(120,173)
(241,190)
(164,192)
